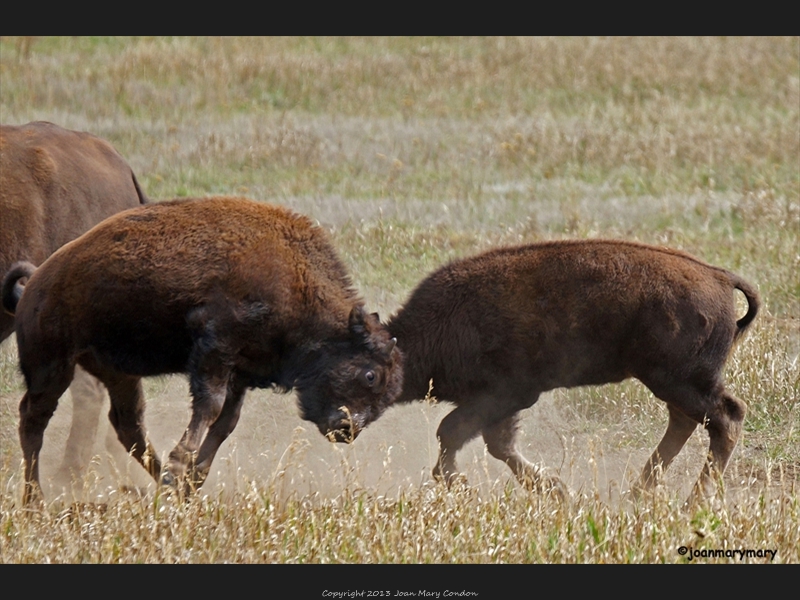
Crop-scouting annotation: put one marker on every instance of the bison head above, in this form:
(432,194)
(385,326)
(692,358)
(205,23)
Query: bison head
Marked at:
(351,381)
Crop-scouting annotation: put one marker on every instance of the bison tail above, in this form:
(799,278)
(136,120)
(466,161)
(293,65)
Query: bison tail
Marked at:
(12,287)
(143,199)
(753,304)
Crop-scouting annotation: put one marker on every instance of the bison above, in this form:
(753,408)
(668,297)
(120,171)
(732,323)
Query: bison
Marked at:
(496,330)
(237,294)
(55,184)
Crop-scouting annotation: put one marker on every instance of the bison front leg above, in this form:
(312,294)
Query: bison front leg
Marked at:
(455,430)
(208,398)
(501,442)
(221,429)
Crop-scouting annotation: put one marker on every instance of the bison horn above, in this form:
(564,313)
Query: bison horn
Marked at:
(387,349)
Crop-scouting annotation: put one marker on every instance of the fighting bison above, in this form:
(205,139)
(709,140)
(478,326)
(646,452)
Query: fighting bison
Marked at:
(496,330)
(55,184)
(236,293)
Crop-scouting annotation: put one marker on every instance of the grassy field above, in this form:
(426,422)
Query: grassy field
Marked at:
(411,152)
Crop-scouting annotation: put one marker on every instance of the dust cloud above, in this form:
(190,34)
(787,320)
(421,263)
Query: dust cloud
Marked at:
(273,447)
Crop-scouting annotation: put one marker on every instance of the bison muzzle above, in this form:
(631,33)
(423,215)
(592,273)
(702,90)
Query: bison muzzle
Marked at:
(235,293)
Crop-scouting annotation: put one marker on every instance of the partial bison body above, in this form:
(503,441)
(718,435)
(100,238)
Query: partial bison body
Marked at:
(236,293)
(496,330)
(55,184)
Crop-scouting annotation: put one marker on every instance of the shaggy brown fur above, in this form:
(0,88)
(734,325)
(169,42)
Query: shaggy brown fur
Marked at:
(236,293)
(55,184)
(496,330)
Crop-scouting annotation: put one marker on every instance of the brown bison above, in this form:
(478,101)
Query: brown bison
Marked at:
(236,293)
(55,184)
(496,330)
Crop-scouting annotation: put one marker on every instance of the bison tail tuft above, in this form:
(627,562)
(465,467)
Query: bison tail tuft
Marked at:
(753,304)
(143,199)
(13,287)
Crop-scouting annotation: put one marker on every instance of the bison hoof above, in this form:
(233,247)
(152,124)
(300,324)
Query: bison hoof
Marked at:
(451,480)
(171,483)
(184,486)
(702,496)
(547,485)
(556,488)
(132,490)
(32,497)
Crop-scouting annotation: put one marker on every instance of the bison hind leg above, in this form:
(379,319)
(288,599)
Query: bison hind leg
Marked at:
(724,427)
(689,405)
(679,429)
(127,418)
(87,400)
(35,411)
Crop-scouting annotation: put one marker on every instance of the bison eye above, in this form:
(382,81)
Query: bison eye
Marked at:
(368,377)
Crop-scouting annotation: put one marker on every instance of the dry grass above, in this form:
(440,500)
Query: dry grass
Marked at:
(422,525)
(413,151)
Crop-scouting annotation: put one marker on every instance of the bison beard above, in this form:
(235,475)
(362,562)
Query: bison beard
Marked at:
(235,293)
(496,330)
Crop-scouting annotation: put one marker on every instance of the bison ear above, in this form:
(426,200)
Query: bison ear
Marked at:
(356,321)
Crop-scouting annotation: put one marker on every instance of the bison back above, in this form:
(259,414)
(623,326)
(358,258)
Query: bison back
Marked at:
(129,286)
